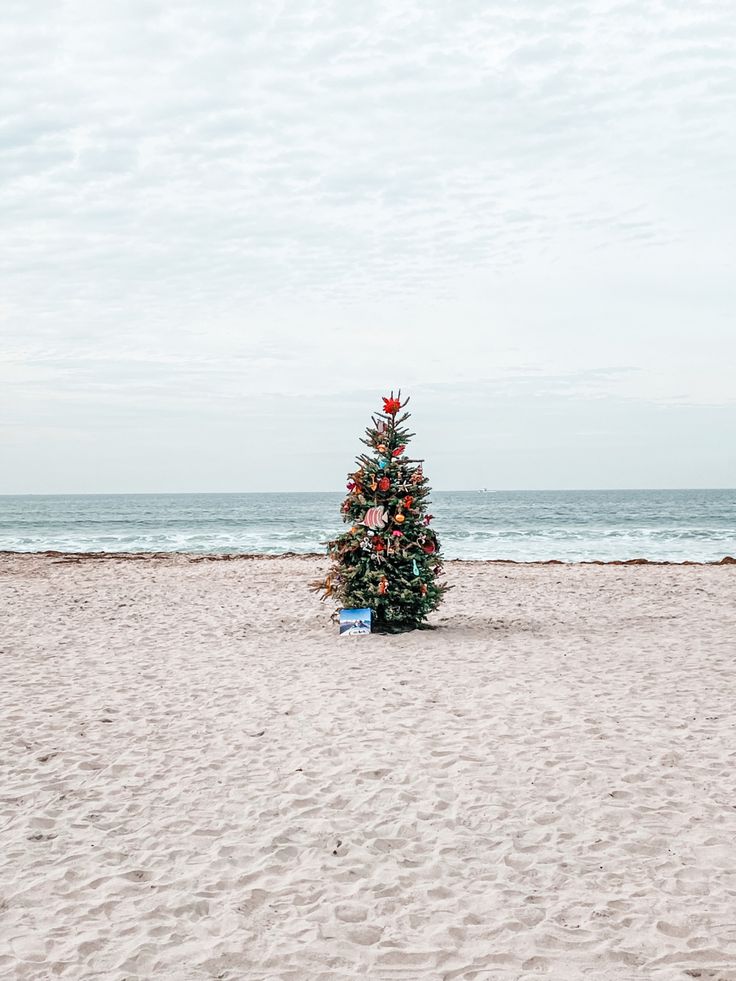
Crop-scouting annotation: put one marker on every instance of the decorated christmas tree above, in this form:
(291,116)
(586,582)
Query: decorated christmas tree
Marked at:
(389,559)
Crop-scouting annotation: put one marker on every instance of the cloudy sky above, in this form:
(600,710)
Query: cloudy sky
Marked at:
(228,228)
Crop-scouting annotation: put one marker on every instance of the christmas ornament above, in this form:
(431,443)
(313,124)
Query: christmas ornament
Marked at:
(381,427)
(381,448)
(391,406)
(383,586)
(381,464)
(429,548)
(376,518)
(427,518)
(383,484)
(398,451)
(396,533)
(374,485)
(423,589)
(408,501)
(399,519)
(378,545)
(414,567)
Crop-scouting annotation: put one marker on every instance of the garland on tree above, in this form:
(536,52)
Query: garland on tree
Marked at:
(389,560)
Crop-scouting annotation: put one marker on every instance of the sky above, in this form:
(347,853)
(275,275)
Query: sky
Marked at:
(229,228)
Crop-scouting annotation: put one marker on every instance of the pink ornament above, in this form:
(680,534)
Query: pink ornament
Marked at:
(376,518)
(396,534)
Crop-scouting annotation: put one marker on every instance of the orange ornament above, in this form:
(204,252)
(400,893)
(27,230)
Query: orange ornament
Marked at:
(381,448)
(383,587)
(399,519)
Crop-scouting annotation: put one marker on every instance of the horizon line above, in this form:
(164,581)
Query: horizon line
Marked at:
(436,490)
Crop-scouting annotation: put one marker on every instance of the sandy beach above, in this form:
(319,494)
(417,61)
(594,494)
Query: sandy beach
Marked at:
(199,779)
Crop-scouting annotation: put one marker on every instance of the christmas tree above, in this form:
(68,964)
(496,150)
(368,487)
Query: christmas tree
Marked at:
(389,560)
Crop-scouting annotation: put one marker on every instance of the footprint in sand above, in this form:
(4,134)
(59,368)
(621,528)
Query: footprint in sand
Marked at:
(351,913)
(365,935)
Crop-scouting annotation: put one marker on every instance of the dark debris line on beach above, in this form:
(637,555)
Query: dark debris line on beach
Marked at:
(61,557)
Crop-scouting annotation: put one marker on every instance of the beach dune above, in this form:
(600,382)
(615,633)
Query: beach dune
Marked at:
(199,779)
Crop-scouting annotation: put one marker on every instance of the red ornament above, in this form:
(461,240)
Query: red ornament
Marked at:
(384,483)
(398,451)
(427,518)
(391,406)
(378,545)
(408,501)
(383,586)
(397,533)
(429,548)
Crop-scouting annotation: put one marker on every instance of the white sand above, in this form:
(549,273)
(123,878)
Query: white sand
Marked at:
(200,780)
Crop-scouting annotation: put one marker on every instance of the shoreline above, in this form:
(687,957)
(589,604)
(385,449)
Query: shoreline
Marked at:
(311,556)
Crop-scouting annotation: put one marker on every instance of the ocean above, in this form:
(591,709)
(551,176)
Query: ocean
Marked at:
(698,525)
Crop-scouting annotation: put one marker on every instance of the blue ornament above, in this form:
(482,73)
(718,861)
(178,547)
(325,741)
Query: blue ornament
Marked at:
(381,464)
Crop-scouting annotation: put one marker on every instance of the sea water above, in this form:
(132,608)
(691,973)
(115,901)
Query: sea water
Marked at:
(698,525)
